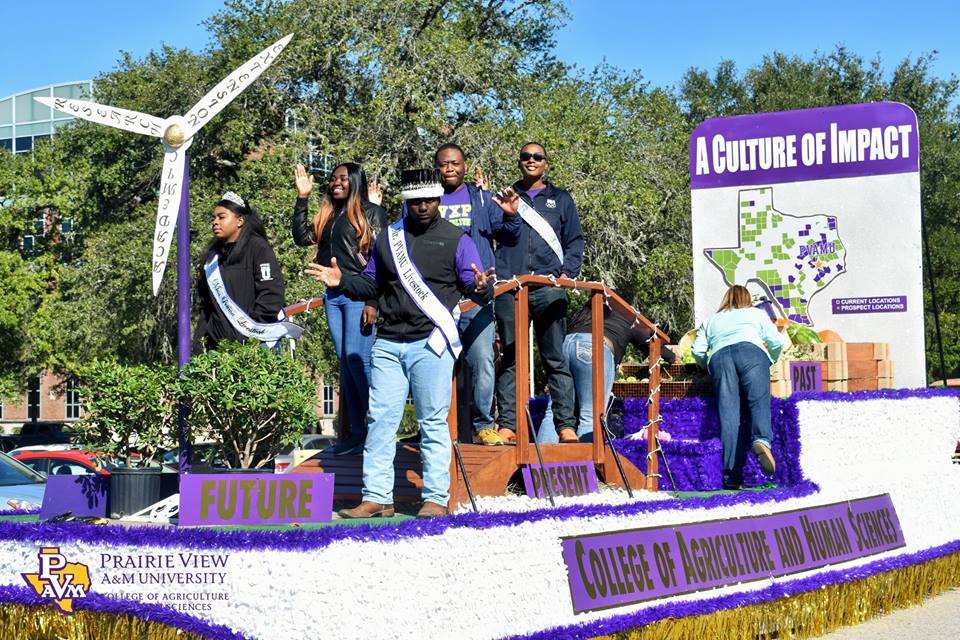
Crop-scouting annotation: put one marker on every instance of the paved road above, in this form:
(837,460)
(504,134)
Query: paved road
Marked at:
(937,619)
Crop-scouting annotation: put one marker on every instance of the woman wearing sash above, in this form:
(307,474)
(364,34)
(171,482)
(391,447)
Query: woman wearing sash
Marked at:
(245,265)
(344,229)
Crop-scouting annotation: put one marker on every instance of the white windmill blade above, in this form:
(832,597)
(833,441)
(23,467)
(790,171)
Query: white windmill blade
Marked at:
(111,116)
(231,86)
(171,186)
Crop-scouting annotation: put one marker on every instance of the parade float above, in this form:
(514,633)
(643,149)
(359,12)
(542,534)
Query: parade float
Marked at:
(632,536)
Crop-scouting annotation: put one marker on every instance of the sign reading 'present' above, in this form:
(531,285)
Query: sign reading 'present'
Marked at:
(625,567)
(564,478)
(263,498)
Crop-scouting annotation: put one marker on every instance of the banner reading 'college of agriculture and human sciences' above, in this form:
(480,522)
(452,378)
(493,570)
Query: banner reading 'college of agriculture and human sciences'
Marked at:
(819,210)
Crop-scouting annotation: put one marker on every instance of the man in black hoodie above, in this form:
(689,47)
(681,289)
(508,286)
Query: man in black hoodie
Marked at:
(420,267)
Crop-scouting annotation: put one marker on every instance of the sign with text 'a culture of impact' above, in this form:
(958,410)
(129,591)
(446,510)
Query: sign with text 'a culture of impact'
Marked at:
(253,499)
(818,210)
(625,567)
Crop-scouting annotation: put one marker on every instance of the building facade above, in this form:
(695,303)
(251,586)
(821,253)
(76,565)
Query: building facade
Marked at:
(24,122)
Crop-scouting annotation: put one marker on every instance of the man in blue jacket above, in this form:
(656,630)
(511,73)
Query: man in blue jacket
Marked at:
(472,210)
(550,243)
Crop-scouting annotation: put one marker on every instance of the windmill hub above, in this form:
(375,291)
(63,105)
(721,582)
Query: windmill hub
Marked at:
(174,136)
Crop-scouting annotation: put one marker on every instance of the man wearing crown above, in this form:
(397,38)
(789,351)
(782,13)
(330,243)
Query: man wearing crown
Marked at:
(419,270)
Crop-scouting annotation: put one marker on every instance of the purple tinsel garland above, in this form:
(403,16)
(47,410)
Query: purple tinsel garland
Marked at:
(781,589)
(304,540)
(144,611)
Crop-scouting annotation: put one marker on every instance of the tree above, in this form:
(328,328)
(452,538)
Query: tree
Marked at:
(251,401)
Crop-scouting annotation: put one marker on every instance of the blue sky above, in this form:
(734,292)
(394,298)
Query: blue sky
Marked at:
(77,40)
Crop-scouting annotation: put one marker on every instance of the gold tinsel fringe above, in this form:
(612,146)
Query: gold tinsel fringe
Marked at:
(814,613)
(805,615)
(19,622)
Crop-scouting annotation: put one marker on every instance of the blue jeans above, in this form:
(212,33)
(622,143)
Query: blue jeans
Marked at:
(578,350)
(741,383)
(352,344)
(397,367)
(476,335)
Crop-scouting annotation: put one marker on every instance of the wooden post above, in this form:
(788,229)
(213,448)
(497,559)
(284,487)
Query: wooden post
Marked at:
(597,373)
(653,415)
(521,340)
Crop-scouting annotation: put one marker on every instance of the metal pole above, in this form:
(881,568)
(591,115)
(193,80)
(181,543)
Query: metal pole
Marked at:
(466,478)
(933,296)
(613,449)
(536,444)
(183,310)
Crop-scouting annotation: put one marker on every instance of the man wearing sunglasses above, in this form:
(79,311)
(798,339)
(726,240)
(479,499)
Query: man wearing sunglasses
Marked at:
(550,243)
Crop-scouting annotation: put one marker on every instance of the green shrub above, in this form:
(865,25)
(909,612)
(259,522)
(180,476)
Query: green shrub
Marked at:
(249,400)
(128,409)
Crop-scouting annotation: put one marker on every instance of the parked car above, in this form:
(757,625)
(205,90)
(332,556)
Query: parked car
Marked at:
(44,433)
(8,443)
(21,488)
(65,462)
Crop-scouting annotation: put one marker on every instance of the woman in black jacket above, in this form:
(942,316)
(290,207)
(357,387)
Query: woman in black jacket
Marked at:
(248,269)
(344,230)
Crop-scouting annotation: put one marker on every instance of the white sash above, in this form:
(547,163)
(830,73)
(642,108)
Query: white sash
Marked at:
(446,333)
(542,227)
(265,332)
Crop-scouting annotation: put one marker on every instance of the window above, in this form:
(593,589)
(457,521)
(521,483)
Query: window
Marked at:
(328,405)
(33,399)
(7,143)
(40,465)
(24,144)
(40,223)
(72,399)
(321,163)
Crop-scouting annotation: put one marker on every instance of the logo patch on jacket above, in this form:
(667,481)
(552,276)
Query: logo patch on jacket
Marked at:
(265,271)
(551,203)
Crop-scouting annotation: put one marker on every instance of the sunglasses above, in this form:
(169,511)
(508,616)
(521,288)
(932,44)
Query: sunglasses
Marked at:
(539,157)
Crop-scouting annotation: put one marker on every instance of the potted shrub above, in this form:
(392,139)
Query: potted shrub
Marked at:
(249,400)
(130,412)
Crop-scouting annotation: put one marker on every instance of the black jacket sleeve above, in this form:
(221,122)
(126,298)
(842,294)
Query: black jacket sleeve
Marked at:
(267,284)
(303,234)
(203,318)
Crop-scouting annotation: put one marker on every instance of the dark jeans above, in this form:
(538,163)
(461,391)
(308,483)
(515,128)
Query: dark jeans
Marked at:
(548,310)
(741,383)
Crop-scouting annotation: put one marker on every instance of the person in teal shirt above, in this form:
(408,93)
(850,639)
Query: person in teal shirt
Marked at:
(737,345)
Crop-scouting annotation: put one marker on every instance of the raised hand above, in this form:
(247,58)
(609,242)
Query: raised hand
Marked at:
(304,181)
(375,193)
(479,179)
(330,276)
(508,200)
(482,279)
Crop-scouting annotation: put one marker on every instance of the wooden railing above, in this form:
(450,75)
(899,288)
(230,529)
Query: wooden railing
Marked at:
(601,296)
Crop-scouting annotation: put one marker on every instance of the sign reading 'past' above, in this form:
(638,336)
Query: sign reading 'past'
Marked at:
(624,567)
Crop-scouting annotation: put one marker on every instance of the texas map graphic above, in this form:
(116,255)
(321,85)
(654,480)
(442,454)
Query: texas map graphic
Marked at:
(792,257)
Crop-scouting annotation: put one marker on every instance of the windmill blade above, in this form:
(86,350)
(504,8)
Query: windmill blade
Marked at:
(171,186)
(111,116)
(231,86)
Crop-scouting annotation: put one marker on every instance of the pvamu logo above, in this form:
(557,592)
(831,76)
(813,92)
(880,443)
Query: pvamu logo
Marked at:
(58,579)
